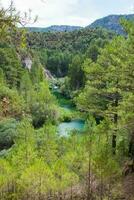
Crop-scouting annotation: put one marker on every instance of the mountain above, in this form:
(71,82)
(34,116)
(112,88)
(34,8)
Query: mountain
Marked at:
(55,28)
(111,22)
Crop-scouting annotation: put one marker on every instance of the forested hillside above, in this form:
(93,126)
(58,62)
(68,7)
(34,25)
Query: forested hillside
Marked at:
(57,49)
(55,28)
(112,23)
(95,88)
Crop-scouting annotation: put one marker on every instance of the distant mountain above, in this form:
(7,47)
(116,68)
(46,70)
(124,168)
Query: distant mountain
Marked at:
(55,28)
(111,22)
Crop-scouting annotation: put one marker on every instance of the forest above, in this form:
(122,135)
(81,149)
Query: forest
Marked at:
(48,79)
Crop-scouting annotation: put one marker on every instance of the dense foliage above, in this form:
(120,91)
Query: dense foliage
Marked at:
(36,163)
(57,49)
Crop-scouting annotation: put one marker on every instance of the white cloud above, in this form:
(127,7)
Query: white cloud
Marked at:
(131,9)
(70,12)
(54,11)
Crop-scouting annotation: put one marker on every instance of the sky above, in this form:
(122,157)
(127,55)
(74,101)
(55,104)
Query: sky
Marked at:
(71,12)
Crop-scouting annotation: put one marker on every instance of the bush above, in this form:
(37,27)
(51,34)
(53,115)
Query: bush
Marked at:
(7,133)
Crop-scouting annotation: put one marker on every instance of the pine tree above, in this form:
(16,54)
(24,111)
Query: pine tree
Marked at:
(7,180)
(102,94)
(37,73)
(24,151)
(26,88)
(36,181)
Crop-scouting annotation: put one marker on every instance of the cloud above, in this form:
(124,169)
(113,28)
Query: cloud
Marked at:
(71,12)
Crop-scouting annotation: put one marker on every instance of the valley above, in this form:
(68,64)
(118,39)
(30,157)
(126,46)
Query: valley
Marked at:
(66,110)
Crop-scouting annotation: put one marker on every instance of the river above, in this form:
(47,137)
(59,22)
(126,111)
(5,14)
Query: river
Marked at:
(64,128)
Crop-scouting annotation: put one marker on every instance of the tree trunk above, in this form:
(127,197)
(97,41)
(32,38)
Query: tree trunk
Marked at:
(116,125)
(131,146)
(89,197)
(101,188)
(71,192)
(89,192)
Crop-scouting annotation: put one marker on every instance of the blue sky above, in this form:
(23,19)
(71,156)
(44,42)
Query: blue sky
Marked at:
(72,12)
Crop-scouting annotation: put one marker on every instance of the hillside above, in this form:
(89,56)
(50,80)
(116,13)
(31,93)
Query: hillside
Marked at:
(78,40)
(54,28)
(111,22)
(57,49)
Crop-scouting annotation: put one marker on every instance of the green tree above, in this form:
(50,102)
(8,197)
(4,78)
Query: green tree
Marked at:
(24,151)
(26,87)
(37,73)
(7,179)
(2,78)
(11,103)
(75,73)
(47,144)
(42,107)
(7,133)
(36,181)
(102,93)
(11,66)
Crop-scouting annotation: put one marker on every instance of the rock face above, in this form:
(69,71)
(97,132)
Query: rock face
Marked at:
(27,63)
(48,75)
